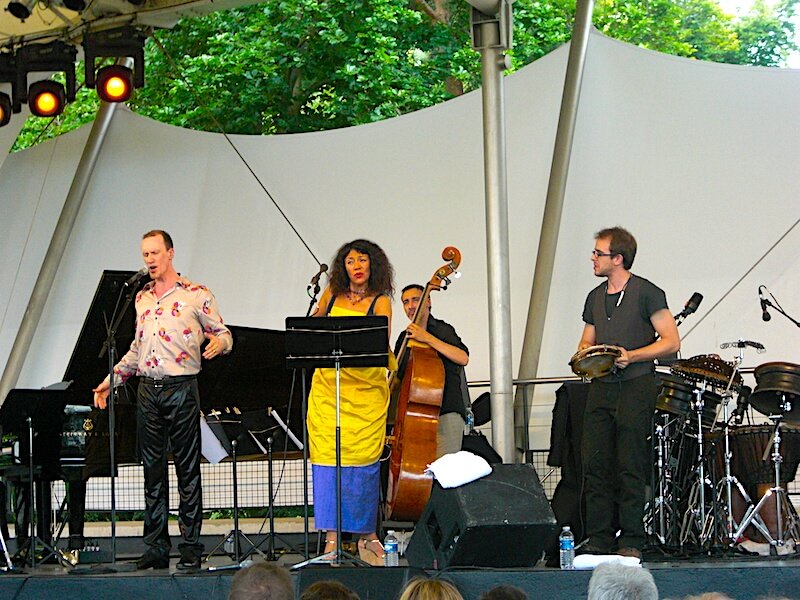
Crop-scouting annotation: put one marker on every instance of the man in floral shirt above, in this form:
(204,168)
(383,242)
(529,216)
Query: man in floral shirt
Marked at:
(173,318)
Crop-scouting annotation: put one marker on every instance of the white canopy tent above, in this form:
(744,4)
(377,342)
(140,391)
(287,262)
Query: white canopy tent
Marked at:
(698,160)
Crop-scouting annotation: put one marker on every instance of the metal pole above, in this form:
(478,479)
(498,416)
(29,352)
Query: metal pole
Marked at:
(551,220)
(58,244)
(492,36)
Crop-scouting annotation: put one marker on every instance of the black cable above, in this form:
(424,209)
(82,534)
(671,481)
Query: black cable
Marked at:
(221,129)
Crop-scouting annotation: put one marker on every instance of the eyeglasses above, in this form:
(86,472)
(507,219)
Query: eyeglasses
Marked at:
(598,254)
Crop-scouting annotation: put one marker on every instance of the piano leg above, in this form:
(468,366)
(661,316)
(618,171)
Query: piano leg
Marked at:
(76,494)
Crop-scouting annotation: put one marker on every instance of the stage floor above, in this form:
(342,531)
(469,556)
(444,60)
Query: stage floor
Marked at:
(740,577)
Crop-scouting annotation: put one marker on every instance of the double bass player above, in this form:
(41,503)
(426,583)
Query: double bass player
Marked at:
(443,338)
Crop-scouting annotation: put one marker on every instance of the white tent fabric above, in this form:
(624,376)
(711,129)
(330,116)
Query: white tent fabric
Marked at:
(698,160)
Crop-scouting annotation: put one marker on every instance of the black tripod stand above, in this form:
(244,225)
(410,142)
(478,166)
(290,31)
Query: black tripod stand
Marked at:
(336,342)
(267,436)
(235,536)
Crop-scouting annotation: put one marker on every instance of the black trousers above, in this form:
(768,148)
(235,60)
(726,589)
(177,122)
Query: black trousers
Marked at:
(169,414)
(616,452)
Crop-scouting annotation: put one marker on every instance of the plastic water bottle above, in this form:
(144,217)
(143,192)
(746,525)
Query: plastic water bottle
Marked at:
(566,545)
(391,557)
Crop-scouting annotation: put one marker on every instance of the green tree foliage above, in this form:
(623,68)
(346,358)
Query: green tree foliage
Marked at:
(309,65)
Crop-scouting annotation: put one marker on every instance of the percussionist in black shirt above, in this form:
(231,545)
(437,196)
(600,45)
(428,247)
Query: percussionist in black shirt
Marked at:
(625,311)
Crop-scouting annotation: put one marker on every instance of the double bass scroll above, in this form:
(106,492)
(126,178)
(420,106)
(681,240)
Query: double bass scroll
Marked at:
(419,400)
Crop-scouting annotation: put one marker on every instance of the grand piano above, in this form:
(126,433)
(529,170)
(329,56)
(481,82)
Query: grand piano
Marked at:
(74,445)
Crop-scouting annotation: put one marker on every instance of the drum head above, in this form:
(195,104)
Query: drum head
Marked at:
(709,369)
(594,361)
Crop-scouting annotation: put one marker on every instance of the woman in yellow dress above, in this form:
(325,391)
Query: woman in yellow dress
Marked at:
(361,283)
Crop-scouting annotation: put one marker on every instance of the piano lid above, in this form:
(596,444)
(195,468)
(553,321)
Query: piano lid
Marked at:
(252,377)
(89,362)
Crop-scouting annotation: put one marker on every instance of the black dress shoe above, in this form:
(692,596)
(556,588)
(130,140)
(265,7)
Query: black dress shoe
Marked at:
(153,560)
(188,562)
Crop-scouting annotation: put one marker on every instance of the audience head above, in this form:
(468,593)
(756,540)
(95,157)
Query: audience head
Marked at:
(505,592)
(262,581)
(709,596)
(613,581)
(328,590)
(420,588)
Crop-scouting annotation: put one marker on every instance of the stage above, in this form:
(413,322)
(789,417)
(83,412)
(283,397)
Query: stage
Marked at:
(742,578)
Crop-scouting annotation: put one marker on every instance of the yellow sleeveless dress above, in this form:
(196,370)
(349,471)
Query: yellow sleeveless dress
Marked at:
(364,403)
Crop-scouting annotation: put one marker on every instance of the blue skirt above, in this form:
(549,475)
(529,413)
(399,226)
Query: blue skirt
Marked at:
(360,497)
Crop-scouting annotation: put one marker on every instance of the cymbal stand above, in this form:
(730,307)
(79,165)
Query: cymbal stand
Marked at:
(698,406)
(782,502)
(730,480)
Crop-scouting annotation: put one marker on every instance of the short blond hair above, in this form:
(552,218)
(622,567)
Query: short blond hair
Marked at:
(420,588)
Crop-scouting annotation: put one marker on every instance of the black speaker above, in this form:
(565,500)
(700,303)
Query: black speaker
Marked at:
(501,520)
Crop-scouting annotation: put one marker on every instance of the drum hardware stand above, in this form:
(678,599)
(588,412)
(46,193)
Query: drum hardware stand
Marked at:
(781,497)
(660,506)
(732,531)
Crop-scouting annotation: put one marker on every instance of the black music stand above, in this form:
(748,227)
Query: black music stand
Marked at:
(25,412)
(336,342)
(234,437)
(265,436)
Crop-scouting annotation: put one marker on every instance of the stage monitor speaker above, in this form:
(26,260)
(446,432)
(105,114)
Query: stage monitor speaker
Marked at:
(501,520)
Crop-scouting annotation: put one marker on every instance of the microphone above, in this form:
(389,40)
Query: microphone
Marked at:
(692,304)
(322,269)
(134,279)
(765,316)
(742,402)
(315,279)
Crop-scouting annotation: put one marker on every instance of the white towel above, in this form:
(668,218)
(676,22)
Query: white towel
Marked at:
(590,561)
(458,468)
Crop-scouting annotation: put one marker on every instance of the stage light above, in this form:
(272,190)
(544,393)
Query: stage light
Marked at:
(21,8)
(114,83)
(46,98)
(119,43)
(5,109)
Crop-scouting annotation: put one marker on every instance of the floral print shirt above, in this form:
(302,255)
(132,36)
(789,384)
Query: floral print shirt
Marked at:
(170,331)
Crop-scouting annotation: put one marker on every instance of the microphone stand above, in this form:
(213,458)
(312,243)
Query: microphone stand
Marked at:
(303,412)
(110,345)
(778,308)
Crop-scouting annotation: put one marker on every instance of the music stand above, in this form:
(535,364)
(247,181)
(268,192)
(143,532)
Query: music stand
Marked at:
(336,342)
(229,430)
(266,437)
(23,412)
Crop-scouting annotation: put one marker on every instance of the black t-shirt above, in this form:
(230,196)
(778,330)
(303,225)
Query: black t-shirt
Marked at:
(452,400)
(651,300)
(623,319)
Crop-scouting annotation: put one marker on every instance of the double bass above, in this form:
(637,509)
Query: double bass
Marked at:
(419,400)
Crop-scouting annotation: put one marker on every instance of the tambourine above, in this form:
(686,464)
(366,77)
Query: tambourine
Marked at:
(594,361)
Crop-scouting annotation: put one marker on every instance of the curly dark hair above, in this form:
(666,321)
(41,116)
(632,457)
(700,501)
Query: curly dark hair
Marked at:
(381,272)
